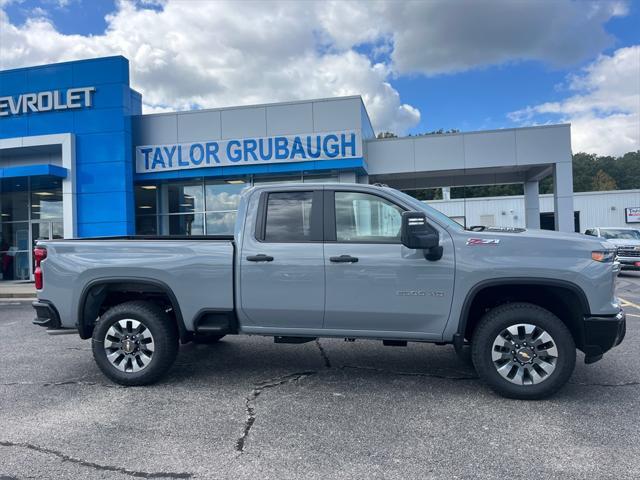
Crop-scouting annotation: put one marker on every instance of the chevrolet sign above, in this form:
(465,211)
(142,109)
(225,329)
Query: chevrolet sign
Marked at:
(46,101)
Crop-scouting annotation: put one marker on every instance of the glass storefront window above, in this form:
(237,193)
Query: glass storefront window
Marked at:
(146,225)
(14,250)
(223,197)
(221,202)
(30,210)
(202,206)
(270,180)
(221,223)
(14,236)
(14,199)
(46,198)
(146,199)
(184,224)
(185,197)
(320,178)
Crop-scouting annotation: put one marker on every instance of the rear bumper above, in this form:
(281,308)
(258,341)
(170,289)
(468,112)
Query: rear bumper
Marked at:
(602,334)
(46,314)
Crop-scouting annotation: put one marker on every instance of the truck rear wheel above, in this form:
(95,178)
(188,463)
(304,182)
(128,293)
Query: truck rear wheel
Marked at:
(523,351)
(135,343)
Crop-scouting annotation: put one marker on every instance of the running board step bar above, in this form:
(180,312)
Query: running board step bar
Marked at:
(279,339)
(394,343)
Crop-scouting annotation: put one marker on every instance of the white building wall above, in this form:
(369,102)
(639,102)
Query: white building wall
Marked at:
(603,209)
(539,145)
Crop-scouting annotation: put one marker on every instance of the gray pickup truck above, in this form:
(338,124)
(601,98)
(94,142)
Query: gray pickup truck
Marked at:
(340,260)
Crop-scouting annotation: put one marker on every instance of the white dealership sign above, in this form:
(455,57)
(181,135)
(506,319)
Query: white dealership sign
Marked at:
(341,145)
(46,101)
(632,215)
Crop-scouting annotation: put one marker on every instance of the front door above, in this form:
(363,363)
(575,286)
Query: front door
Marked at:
(373,281)
(282,264)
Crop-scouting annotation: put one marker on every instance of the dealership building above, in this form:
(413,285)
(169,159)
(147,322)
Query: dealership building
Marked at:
(78,158)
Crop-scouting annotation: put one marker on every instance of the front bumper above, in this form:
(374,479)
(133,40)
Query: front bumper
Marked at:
(632,263)
(602,333)
(46,314)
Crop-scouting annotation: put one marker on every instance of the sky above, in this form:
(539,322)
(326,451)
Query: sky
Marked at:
(419,66)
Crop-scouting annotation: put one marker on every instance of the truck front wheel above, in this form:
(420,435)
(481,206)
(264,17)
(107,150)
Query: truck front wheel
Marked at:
(523,351)
(135,343)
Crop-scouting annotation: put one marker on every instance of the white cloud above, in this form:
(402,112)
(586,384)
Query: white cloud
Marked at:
(188,54)
(604,109)
(214,54)
(443,36)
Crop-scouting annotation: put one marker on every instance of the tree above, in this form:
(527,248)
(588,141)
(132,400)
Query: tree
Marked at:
(386,135)
(603,182)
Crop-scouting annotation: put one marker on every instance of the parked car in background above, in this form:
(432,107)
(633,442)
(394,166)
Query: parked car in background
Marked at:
(626,240)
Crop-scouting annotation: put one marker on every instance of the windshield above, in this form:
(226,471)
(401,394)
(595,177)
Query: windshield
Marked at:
(432,212)
(620,234)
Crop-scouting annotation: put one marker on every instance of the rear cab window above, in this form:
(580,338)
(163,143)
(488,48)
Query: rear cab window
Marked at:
(290,217)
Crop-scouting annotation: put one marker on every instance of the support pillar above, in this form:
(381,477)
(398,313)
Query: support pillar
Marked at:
(563,196)
(532,204)
(347,177)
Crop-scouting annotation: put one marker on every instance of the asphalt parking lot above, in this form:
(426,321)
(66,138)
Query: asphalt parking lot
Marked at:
(247,408)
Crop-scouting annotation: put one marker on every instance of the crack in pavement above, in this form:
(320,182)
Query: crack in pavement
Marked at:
(62,383)
(621,384)
(295,377)
(323,354)
(255,393)
(109,468)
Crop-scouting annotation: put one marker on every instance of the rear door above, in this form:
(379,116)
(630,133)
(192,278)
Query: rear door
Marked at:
(373,282)
(282,261)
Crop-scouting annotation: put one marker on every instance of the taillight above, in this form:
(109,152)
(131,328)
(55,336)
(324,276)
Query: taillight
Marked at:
(39,254)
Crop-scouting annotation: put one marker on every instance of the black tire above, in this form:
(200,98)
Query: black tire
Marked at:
(206,339)
(165,340)
(496,321)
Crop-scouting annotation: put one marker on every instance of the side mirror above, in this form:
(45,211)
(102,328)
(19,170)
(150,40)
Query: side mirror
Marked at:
(416,233)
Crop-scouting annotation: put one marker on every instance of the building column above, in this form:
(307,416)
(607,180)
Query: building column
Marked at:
(164,208)
(563,196)
(532,204)
(69,196)
(347,177)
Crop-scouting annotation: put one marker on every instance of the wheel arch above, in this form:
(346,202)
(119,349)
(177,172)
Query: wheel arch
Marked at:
(96,292)
(563,298)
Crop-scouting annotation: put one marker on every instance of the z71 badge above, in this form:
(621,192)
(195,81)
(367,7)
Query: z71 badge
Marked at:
(483,241)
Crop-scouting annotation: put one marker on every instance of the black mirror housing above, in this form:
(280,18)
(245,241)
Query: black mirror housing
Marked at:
(416,233)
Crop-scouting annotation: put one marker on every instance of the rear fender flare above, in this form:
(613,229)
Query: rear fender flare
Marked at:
(90,300)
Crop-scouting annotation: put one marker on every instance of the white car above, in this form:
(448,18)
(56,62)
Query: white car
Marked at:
(626,240)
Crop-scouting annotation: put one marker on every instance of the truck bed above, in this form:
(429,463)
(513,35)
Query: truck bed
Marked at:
(197,270)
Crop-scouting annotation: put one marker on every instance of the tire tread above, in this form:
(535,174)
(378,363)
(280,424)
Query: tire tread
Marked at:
(165,338)
(486,370)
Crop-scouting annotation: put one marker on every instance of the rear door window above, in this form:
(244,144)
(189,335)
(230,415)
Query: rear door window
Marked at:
(288,217)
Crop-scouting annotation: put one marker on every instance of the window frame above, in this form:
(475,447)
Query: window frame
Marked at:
(330,228)
(315,221)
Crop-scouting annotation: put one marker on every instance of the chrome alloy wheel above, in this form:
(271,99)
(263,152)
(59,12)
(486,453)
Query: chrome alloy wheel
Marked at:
(129,345)
(524,354)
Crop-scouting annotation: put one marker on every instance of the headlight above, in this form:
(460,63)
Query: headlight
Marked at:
(603,255)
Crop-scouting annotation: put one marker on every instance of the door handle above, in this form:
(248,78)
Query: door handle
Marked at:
(260,258)
(344,259)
